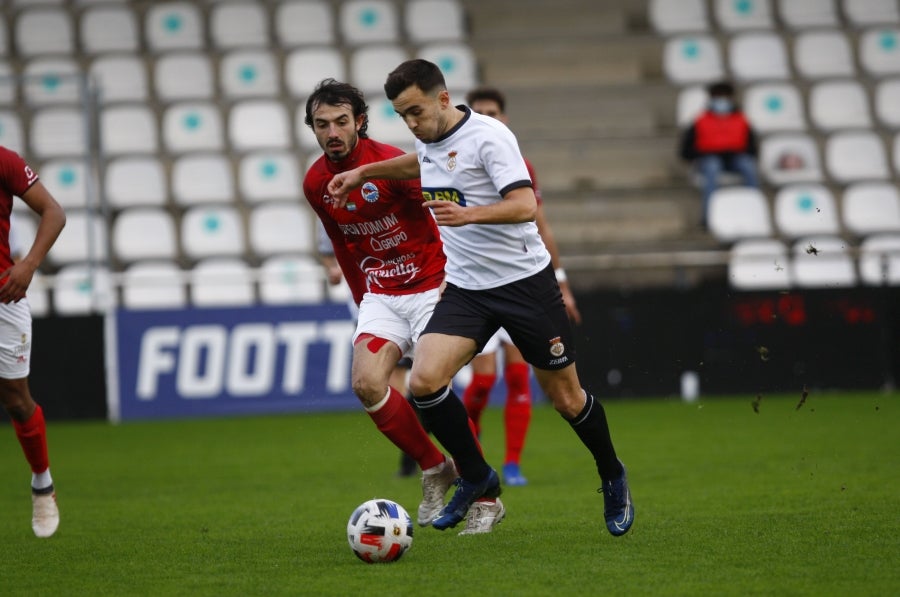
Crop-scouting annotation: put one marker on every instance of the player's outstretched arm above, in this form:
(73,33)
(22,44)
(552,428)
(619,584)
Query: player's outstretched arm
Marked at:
(401,167)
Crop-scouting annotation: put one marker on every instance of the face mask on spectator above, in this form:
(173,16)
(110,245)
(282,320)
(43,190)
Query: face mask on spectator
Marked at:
(721,105)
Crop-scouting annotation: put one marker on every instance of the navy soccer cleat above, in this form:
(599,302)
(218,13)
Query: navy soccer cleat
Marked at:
(466,494)
(617,507)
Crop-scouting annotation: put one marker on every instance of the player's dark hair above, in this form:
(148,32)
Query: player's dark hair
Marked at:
(490,94)
(721,89)
(335,93)
(421,73)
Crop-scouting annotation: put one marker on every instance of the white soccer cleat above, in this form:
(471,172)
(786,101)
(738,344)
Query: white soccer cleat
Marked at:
(483,517)
(45,514)
(434,488)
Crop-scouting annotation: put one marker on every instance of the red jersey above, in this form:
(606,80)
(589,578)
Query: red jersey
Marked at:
(717,133)
(384,240)
(16,177)
(534,183)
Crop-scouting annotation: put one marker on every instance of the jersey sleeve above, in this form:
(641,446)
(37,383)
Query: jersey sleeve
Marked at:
(503,161)
(17,175)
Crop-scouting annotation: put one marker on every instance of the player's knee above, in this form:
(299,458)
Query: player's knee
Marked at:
(17,405)
(422,384)
(369,390)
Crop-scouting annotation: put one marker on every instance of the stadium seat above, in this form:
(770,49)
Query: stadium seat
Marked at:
(368,21)
(456,61)
(183,76)
(822,262)
(802,14)
(120,78)
(67,182)
(774,107)
(427,21)
(153,285)
(44,30)
(58,132)
(837,105)
(863,13)
(758,56)
(128,129)
(386,125)
(855,156)
(759,264)
(871,207)
(775,151)
(259,124)
(248,73)
(280,227)
(879,51)
(22,229)
(83,238)
(212,231)
(887,102)
(202,179)
(692,101)
(369,66)
(305,22)
(173,26)
(291,279)
(134,182)
(265,176)
(109,28)
(239,25)
(306,139)
(339,293)
(803,210)
(879,261)
(739,212)
(305,67)
(822,54)
(678,16)
(11,134)
(80,289)
(692,59)
(144,233)
(8,86)
(193,126)
(51,81)
(221,282)
(38,296)
(743,14)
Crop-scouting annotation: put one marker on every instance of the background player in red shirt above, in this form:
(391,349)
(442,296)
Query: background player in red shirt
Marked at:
(18,179)
(390,252)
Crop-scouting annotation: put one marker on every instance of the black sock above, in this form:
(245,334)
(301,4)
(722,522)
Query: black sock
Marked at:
(447,419)
(592,429)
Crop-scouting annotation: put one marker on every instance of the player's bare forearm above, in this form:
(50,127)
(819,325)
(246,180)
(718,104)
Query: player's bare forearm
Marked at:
(402,167)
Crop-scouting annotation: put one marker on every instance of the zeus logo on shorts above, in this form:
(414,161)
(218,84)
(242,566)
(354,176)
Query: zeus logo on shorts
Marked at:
(436,194)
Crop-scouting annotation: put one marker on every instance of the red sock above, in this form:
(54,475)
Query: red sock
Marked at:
(476,397)
(32,436)
(517,413)
(397,420)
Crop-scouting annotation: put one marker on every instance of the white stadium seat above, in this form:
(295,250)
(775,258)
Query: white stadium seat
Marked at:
(306,139)
(803,210)
(434,20)
(173,26)
(758,56)
(212,231)
(739,212)
(109,28)
(221,282)
(153,285)
(837,105)
(305,67)
(248,73)
(144,233)
(823,262)
(693,59)
(239,25)
(456,61)
(386,125)
(193,126)
(280,227)
(370,65)
(51,81)
(746,14)
(80,289)
(291,279)
(871,207)
(67,181)
(121,78)
(822,54)
(368,21)
(774,107)
(305,22)
(879,51)
(678,16)
(83,239)
(58,132)
(11,133)
(863,13)
(855,156)
(44,30)
(777,150)
(183,76)
(128,129)
(692,101)
(267,176)
(135,181)
(879,261)
(759,264)
(887,102)
(202,179)
(259,124)
(801,14)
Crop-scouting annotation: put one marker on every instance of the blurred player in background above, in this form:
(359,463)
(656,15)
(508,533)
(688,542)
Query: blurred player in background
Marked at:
(19,180)
(498,274)
(517,410)
(389,250)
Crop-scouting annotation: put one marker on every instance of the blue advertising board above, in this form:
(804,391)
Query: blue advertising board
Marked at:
(253,360)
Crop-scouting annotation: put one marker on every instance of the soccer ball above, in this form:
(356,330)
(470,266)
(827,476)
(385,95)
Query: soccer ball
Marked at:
(379,530)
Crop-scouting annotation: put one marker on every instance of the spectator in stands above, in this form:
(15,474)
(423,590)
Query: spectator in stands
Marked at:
(17,179)
(720,139)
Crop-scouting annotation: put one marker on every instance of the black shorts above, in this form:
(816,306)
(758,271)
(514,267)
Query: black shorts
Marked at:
(531,310)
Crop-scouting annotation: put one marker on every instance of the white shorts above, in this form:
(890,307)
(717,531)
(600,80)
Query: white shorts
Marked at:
(499,338)
(398,318)
(15,340)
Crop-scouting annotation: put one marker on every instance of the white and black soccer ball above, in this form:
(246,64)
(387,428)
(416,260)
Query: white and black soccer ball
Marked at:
(379,530)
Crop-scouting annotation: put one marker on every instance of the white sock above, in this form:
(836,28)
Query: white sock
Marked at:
(41,480)
(381,403)
(435,469)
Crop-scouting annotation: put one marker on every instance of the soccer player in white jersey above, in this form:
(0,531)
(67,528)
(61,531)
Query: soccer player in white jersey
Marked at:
(498,274)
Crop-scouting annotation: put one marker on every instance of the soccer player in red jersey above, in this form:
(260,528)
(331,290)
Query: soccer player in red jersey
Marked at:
(18,179)
(389,249)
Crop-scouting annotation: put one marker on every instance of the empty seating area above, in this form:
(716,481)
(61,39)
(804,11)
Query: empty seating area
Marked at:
(200,146)
(820,81)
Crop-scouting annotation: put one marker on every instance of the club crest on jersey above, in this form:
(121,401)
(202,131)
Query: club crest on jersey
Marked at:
(451,160)
(557,347)
(369,192)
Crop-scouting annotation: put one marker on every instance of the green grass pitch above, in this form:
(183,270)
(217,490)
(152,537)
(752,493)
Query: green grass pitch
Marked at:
(729,501)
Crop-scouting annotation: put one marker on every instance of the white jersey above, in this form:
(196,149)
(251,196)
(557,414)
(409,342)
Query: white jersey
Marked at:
(476,163)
